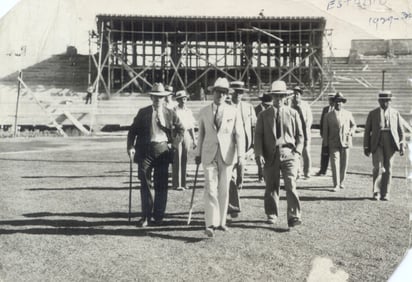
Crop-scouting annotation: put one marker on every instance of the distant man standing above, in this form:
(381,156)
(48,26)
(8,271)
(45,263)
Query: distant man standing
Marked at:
(179,165)
(89,94)
(155,132)
(384,135)
(324,154)
(220,145)
(338,129)
(266,102)
(248,117)
(306,118)
(278,145)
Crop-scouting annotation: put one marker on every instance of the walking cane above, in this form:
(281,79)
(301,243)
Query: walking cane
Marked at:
(130,188)
(193,196)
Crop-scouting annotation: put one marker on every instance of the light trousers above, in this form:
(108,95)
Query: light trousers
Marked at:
(179,165)
(339,158)
(216,195)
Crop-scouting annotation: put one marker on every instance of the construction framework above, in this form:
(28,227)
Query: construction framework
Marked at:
(191,52)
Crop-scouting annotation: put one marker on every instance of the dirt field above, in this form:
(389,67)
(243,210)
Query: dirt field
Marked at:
(63,217)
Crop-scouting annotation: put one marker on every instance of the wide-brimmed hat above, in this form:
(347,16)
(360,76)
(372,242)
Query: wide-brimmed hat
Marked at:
(220,83)
(159,90)
(385,95)
(238,85)
(169,88)
(181,94)
(339,97)
(298,89)
(278,87)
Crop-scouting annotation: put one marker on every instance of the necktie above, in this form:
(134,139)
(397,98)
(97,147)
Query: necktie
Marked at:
(216,118)
(278,129)
(160,125)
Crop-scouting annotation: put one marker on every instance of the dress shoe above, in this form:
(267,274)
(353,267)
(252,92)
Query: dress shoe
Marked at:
(319,173)
(307,176)
(294,222)
(210,231)
(335,189)
(342,186)
(180,188)
(143,222)
(385,198)
(234,214)
(261,180)
(376,196)
(157,222)
(223,228)
(271,219)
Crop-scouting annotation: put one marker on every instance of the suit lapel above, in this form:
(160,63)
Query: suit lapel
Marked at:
(210,117)
(271,120)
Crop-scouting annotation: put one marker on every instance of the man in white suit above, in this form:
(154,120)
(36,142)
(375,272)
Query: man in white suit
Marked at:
(220,144)
(338,128)
(248,115)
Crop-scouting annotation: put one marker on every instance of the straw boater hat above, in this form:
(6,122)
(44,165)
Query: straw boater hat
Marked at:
(220,83)
(298,89)
(278,87)
(385,95)
(181,94)
(159,90)
(238,86)
(339,97)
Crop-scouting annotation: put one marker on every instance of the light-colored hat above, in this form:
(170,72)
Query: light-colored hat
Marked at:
(278,87)
(331,95)
(238,85)
(169,88)
(159,90)
(339,97)
(181,94)
(385,95)
(298,89)
(221,83)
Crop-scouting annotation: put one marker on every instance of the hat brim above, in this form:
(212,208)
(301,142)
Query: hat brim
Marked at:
(298,90)
(160,94)
(211,88)
(279,93)
(343,100)
(385,98)
(240,89)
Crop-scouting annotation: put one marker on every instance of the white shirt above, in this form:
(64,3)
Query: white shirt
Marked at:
(385,116)
(157,134)
(280,141)
(186,117)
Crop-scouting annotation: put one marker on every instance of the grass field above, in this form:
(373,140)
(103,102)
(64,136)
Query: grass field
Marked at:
(63,217)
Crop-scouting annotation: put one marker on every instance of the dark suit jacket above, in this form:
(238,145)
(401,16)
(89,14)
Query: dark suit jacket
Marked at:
(373,129)
(265,140)
(325,110)
(139,132)
(338,132)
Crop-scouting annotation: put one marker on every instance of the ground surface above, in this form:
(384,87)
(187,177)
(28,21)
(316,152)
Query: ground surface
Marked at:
(63,217)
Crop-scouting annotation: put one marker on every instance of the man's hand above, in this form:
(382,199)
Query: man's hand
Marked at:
(198,160)
(131,153)
(402,150)
(240,161)
(194,144)
(260,160)
(366,152)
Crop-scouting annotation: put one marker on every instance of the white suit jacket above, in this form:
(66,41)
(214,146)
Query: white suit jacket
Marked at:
(229,137)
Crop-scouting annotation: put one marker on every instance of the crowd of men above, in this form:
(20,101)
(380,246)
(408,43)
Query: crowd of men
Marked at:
(278,131)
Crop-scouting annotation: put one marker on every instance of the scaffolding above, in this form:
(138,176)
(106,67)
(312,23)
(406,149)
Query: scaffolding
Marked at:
(191,52)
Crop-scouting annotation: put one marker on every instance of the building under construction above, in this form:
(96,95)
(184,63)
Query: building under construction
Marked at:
(191,52)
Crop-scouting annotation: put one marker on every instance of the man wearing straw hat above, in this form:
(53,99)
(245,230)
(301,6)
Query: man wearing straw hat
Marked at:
(220,145)
(384,135)
(180,160)
(151,142)
(306,118)
(278,146)
(248,116)
(324,154)
(266,102)
(338,129)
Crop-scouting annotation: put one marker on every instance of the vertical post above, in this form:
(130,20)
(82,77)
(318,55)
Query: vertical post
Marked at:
(89,75)
(383,79)
(17,102)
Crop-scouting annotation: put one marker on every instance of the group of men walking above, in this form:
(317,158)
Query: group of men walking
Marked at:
(278,130)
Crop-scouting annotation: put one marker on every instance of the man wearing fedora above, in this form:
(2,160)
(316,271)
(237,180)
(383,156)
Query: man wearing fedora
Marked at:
(155,132)
(338,129)
(220,145)
(384,135)
(324,154)
(306,118)
(278,146)
(266,102)
(179,165)
(248,117)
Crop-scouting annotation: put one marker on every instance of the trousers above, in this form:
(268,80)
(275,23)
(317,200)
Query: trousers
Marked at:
(180,162)
(339,158)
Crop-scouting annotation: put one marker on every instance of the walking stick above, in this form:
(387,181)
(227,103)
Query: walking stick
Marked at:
(193,196)
(130,188)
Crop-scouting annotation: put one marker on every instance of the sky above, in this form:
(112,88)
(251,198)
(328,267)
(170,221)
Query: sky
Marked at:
(6,5)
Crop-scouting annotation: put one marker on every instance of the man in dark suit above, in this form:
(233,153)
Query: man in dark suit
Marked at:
(384,135)
(278,146)
(324,155)
(266,103)
(154,135)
